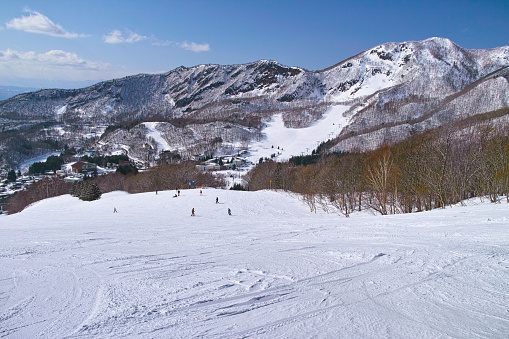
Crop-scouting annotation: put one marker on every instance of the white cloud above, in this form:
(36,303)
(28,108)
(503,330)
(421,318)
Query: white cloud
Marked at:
(194,47)
(133,37)
(55,64)
(114,37)
(53,57)
(35,22)
(117,37)
(162,43)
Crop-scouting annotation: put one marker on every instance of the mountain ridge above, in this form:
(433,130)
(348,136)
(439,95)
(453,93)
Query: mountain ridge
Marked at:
(419,84)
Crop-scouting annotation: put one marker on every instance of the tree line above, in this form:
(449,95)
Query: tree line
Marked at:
(55,162)
(431,170)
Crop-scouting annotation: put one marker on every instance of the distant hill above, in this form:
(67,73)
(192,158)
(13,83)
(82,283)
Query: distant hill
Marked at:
(7,92)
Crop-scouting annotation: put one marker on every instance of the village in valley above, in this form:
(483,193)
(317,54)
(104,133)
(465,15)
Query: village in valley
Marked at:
(83,165)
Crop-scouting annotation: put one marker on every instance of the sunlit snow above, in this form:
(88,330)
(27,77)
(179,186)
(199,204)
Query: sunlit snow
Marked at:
(61,110)
(162,144)
(270,270)
(298,141)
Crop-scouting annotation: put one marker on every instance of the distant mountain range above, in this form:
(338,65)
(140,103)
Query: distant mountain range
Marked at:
(7,92)
(392,90)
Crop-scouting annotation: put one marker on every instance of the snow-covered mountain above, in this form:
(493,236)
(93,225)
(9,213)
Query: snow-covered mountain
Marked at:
(391,91)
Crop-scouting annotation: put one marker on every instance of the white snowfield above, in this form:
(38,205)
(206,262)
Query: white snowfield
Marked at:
(156,135)
(270,270)
(287,142)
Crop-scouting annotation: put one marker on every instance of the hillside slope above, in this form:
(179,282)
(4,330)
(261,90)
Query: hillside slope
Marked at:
(393,90)
(270,270)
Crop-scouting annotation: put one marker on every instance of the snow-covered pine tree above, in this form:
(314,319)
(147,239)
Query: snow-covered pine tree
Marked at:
(90,192)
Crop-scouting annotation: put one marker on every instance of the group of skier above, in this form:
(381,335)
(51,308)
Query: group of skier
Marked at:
(217,202)
(178,195)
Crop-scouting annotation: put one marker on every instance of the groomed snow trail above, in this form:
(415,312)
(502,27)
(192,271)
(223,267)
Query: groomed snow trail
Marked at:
(271,270)
(162,144)
(286,142)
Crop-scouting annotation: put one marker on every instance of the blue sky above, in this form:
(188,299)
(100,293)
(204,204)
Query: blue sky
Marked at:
(68,43)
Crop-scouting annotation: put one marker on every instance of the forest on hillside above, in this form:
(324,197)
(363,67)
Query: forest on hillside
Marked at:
(426,171)
(434,169)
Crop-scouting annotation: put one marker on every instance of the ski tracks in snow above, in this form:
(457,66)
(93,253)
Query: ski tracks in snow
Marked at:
(271,270)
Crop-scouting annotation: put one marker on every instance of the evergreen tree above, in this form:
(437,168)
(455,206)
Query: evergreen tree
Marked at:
(127,169)
(11,176)
(96,192)
(90,192)
(238,187)
(86,191)
(76,189)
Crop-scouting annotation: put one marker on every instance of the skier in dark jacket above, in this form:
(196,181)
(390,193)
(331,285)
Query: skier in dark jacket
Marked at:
(229,212)
(217,200)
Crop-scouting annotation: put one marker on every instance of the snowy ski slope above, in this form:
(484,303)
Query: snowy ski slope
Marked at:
(287,142)
(271,270)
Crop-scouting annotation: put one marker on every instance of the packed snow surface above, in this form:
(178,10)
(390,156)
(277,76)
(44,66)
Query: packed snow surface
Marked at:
(287,142)
(162,144)
(270,270)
